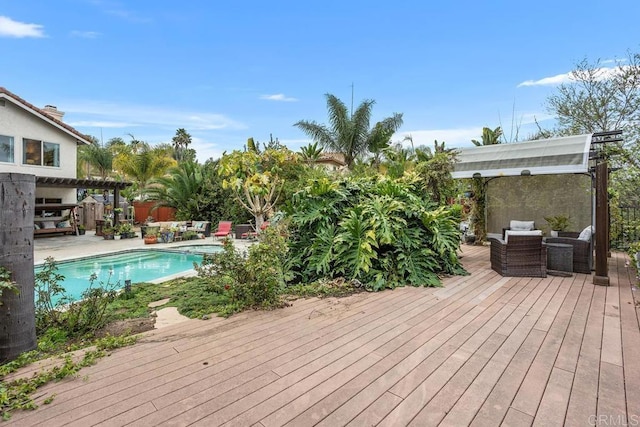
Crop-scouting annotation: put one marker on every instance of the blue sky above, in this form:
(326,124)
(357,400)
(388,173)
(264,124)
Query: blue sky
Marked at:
(226,71)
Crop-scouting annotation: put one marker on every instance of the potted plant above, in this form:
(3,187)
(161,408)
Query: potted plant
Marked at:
(189,235)
(108,232)
(166,235)
(125,230)
(150,238)
(81,230)
(557,223)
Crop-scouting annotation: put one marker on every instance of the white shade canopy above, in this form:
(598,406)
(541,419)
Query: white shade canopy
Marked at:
(541,157)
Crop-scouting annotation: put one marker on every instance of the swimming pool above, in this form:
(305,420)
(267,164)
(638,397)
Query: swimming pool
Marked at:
(202,249)
(143,265)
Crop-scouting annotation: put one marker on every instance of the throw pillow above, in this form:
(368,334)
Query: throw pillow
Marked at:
(63,224)
(586,234)
(48,224)
(522,225)
(521,233)
(36,226)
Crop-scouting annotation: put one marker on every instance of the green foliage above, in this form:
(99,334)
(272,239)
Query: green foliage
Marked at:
(6,283)
(383,232)
(252,280)
(56,309)
(489,137)
(257,178)
(435,174)
(181,188)
(558,222)
(18,394)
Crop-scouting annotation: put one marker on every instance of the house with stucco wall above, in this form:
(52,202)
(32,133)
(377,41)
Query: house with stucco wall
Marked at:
(36,141)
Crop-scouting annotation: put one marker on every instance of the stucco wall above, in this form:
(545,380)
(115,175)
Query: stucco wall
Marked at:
(530,198)
(18,123)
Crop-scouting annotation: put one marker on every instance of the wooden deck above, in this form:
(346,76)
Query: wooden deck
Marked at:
(484,350)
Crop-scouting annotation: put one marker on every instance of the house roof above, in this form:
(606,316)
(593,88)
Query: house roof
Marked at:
(42,114)
(541,157)
(329,157)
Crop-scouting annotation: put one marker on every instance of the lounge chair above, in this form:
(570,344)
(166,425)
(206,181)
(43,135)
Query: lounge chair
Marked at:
(254,234)
(224,229)
(582,248)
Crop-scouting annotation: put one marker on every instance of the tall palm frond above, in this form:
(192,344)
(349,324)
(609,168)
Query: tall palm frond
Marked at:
(346,133)
(98,157)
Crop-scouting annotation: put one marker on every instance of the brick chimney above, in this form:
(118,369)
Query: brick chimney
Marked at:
(52,110)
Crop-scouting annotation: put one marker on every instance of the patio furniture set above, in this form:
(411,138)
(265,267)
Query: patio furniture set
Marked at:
(524,252)
(169,231)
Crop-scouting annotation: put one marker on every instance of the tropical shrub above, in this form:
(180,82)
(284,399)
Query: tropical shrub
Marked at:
(54,308)
(381,231)
(255,279)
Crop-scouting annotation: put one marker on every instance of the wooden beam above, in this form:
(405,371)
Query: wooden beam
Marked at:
(602,224)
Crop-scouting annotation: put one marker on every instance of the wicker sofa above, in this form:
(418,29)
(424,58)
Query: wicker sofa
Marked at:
(582,250)
(519,255)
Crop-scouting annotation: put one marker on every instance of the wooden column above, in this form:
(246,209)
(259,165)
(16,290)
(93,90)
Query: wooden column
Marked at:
(17,310)
(116,205)
(602,224)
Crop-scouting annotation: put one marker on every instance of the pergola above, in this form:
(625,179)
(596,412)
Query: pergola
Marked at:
(116,186)
(579,154)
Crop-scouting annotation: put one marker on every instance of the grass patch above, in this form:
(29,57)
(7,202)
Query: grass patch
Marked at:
(194,297)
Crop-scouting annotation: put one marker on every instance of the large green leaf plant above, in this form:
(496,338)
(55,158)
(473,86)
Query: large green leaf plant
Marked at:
(382,231)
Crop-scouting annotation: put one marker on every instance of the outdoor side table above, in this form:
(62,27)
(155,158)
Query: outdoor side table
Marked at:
(559,258)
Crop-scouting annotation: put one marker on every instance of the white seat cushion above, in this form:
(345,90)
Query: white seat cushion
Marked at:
(521,225)
(521,233)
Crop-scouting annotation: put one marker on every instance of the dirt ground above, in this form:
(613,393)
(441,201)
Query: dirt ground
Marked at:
(132,326)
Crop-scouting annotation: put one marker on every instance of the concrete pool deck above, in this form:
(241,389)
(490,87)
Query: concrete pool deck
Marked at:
(69,247)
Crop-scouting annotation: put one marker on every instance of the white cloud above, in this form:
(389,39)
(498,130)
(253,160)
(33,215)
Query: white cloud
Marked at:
(206,150)
(11,28)
(144,115)
(548,81)
(101,124)
(278,97)
(452,137)
(84,34)
(602,74)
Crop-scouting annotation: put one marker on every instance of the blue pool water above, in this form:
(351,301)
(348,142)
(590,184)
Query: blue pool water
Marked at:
(203,249)
(137,266)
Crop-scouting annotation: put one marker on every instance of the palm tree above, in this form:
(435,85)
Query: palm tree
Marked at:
(180,189)
(98,157)
(143,165)
(349,134)
(181,142)
(489,137)
(311,152)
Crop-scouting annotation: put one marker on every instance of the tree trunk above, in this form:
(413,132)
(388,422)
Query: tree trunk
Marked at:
(17,311)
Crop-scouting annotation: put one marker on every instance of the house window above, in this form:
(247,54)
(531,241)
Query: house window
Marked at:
(6,149)
(40,153)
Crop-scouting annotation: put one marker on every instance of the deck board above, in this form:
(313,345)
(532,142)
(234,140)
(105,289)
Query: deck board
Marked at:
(482,350)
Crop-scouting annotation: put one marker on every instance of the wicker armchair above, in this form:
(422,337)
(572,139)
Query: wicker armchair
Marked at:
(582,251)
(522,256)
